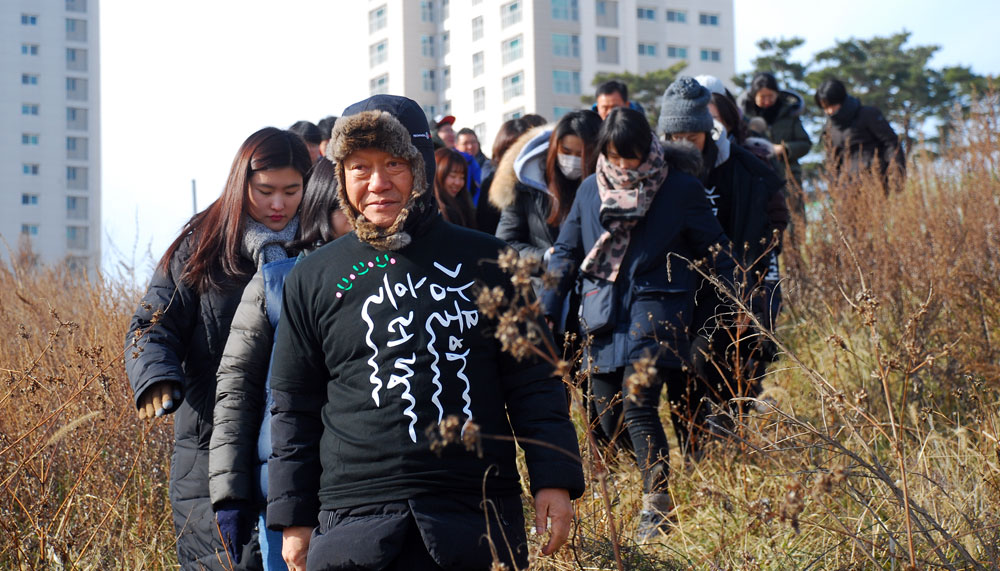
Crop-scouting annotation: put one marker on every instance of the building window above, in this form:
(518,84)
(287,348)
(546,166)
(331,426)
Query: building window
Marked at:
(430,111)
(378,53)
(76,178)
(76,89)
(76,237)
(446,107)
(510,14)
(30,169)
(29,139)
(607,13)
(76,118)
(512,49)
(427,46)
(376,19)
(477,28)
(711,55)
(515,114)
(76,208)
(480,129)
(429,83)
(647,49)
(513,86)
(29,229)
(427,11)
(29,199)
(76,30)
(29,49)
(477,64)
(708,19)
(677,52)
(566,45)
(76,59)
(677,16)
(29,20)
(445,43)
(445,9)
(379,84)
(479,100)
(29,79)
(29,109)
(446,76)
(76,5)
(646,13)
(566,82)
(565,10)
(607,49)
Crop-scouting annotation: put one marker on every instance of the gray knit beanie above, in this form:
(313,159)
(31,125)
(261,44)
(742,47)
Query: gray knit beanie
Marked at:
(684,108)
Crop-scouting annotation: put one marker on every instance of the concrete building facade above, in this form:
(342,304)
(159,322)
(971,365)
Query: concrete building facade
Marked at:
(486,61)
(50,152)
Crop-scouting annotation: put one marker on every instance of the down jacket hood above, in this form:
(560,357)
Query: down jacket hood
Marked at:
(523,162)
(792,104)
(397,126)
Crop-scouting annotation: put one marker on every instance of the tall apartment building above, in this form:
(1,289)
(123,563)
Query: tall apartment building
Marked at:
(50,136)
(486,61)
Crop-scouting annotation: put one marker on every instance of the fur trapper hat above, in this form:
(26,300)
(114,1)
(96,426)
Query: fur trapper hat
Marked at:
(396,125)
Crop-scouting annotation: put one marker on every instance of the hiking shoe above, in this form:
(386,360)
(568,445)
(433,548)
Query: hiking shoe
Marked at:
(656,518)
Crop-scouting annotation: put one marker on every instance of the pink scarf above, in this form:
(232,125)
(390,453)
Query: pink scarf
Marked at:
(625,197)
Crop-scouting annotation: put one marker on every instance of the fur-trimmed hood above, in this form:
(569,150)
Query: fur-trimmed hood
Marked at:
(524,162)
(682,155)
(397,126)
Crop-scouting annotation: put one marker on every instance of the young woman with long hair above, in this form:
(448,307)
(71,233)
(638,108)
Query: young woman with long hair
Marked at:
(241,437)
(451,187)
(177,335)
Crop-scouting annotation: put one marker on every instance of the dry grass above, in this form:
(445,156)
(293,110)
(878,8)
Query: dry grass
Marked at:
(875,445)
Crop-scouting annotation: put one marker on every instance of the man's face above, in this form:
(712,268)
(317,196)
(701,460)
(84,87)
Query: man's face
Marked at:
(447,135)
(605,103)
(468,144)
(378,185)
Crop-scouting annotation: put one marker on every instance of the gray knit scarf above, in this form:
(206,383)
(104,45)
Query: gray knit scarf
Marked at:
(263,245)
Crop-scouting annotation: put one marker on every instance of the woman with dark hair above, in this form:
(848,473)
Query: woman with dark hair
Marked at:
(858,135)
(488,215)
(780,110)
(177,335)
(241,437)
(451,187)
(537,181)
(745,194)
(631,235)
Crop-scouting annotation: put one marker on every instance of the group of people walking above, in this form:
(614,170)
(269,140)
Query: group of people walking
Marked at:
(339,400)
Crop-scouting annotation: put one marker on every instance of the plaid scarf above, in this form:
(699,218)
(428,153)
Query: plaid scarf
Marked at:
(625,197)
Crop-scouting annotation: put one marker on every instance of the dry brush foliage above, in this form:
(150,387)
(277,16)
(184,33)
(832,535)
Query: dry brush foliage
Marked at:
(873,446)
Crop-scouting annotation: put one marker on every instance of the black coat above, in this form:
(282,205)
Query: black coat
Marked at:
(184,346)
(655,287)
(859,135)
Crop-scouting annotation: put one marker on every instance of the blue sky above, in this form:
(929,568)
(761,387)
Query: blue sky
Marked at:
(183,85)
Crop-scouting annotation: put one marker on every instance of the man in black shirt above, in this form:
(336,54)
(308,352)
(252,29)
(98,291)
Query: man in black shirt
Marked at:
(380,340)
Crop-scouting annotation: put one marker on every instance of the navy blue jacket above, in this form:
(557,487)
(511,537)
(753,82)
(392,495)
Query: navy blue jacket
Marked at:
(655,287)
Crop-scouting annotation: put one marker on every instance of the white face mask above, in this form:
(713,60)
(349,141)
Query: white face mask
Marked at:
(571,166)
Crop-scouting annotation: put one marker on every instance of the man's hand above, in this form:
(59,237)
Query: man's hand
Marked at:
(295,546)
(553,504)
(159,399)
(779,150)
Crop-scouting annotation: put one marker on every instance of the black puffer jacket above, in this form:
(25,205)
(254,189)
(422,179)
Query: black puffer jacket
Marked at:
(184,346)
(523,198)
(857,134)
(784,127)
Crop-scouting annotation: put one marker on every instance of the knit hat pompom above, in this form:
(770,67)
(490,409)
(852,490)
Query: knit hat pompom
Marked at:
(684,108)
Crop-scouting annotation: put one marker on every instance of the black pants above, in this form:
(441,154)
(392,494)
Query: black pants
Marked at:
(639,414)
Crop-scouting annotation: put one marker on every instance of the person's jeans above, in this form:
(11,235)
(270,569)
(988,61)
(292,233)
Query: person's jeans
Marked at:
(270,547)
